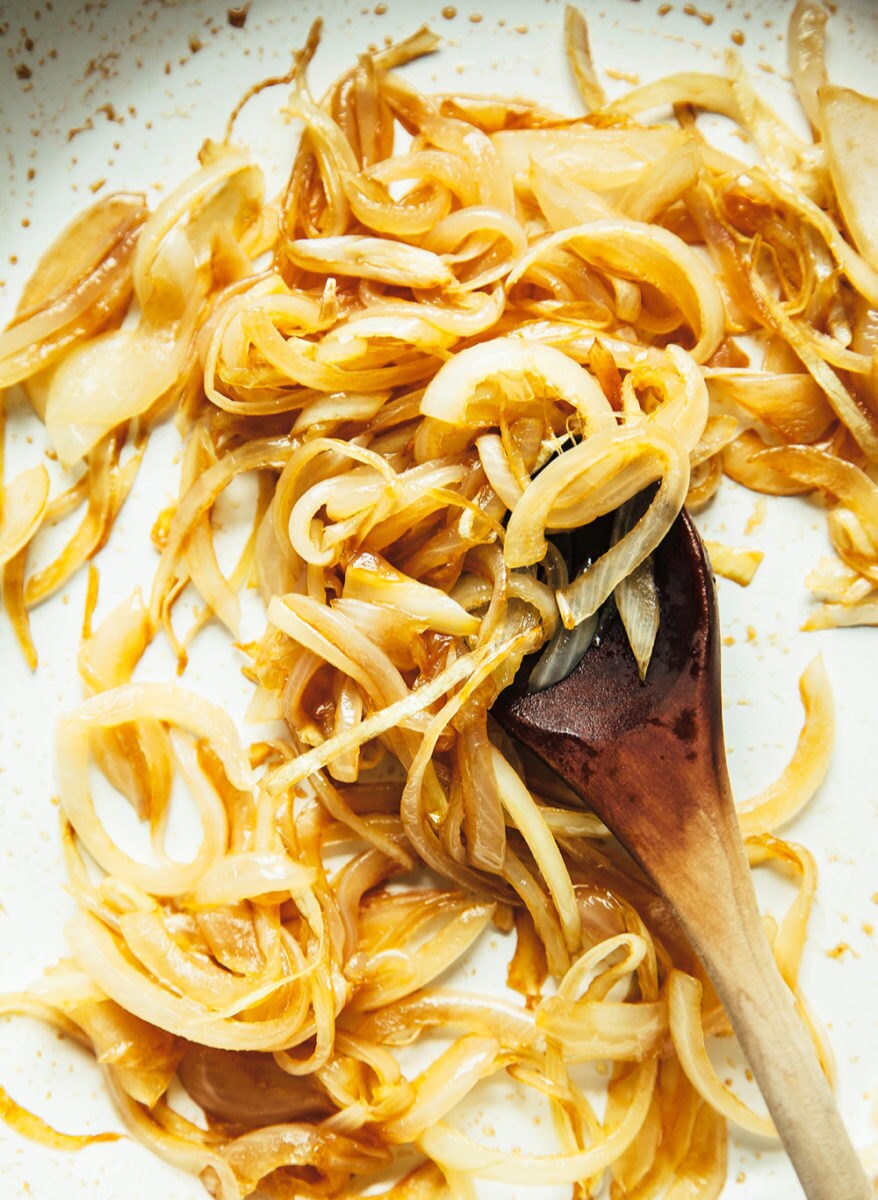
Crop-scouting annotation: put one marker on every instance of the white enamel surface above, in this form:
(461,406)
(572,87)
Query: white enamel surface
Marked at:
(166,98)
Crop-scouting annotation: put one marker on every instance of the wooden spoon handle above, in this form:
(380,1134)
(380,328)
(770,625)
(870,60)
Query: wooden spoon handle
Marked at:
(719,914)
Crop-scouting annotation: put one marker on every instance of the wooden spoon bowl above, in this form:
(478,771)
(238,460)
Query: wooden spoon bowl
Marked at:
(649,759)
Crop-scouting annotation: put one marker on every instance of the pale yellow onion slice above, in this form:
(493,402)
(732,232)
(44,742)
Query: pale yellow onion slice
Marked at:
(839,616)
(585,482)
(738,563)
(143,1059)
(862,274)
(805,52)
(585,594)
(22,506)
(861,423)
(175,706)
(679,385)
(475,235)
(793,405)
(687,1032)
(294,359)
(563,200)
(370,577)
(327,411)
(115,376)
(396,1024)
(250,874)
(443,1084)
(452,1149)
(453,400)
(842,481)
(186,1153)
(136,702)
(327,1157)
(598,158)
(789,942)
(496,466)
(525,814)
(802,776)
(600,968)
(388,978)
(372,258)
(594,1031)
(208,580)
(81,284)
(357,500)
(735,98)
(505,654)
(349,707)
(96,950)
(848,122)
(596,477)
(440,168)
(347,343)
(294,312)
(478,150)
(637,600)
(833,580)
(330,636)
(663,182)
(379,722)
(579,57)
(463,313)
(254,455)
(324,630)
(182,201)
(650,254)
(149,938)
(410,215)
(134,758)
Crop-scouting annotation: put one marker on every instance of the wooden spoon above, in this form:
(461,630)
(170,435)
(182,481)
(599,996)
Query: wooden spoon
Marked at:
(649,759)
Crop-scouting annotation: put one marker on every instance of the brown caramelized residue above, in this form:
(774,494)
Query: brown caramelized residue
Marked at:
(237,17)
(691,11)
(757,516)
(23,71)
(110,113)
(738,37)
(103,65)
(449,12)
(840,949)
(664,9)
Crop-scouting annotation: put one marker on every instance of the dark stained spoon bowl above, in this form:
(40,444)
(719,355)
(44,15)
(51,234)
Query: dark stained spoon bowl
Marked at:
(649,759)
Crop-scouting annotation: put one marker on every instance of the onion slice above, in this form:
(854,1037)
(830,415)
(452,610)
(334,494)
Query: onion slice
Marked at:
(22,507)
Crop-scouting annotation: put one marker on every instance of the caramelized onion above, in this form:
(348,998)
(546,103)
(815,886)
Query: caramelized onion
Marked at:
(426,366)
